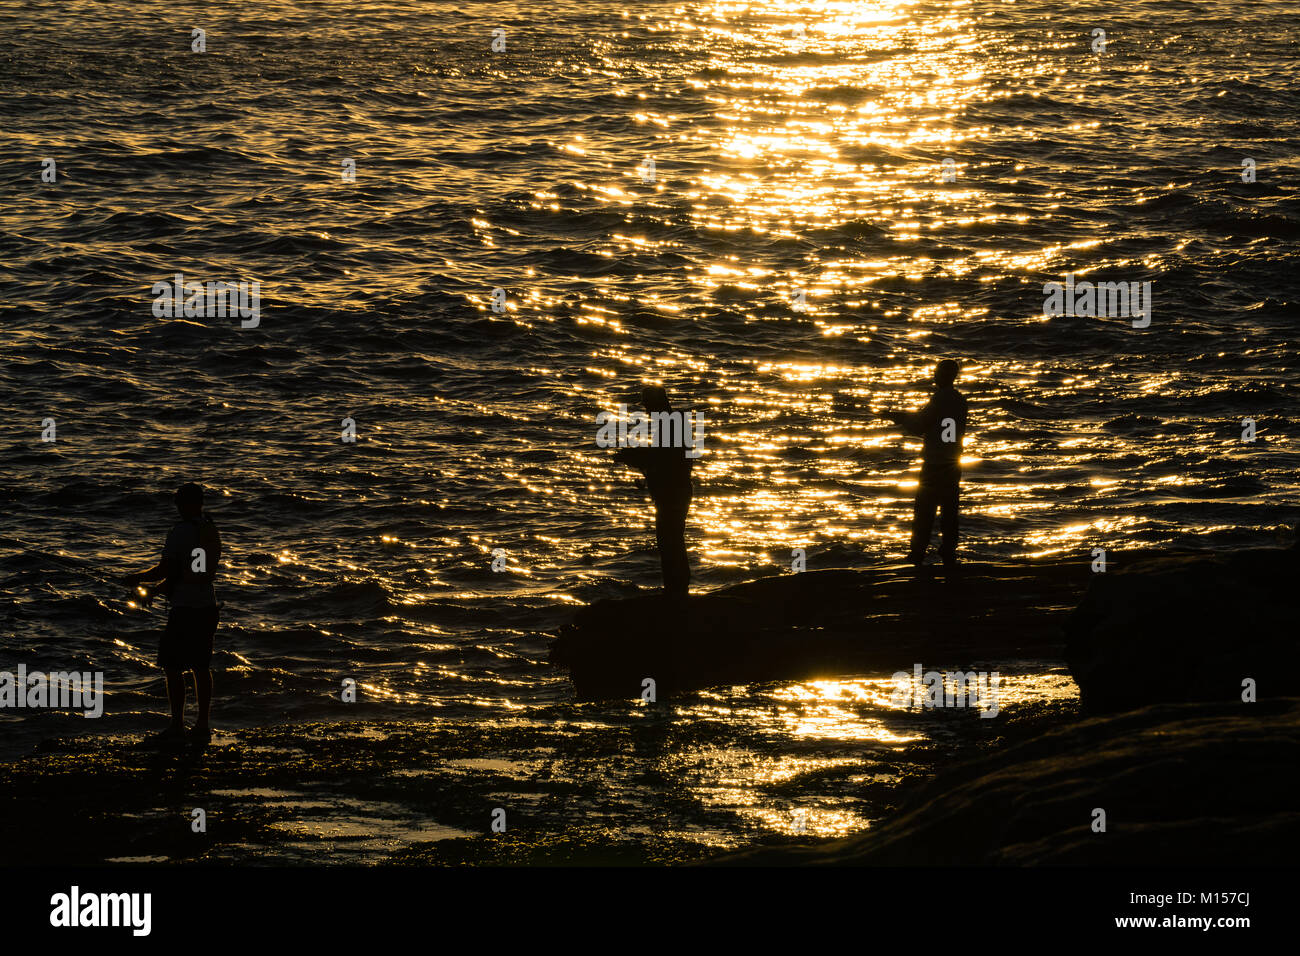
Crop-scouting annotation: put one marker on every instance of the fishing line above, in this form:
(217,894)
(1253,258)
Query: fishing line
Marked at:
(73,564)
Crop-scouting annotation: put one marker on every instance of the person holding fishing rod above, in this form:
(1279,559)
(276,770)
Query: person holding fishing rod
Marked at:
(185,575)
(667,471)
(942,423)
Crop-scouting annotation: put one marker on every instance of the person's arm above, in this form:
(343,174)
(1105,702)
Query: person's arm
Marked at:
(162,569)
(916,423)
(157,573)
(634,457)
(215,559)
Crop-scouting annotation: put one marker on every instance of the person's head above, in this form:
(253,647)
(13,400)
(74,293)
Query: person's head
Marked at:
(945,373)
(655,399)
(189,500)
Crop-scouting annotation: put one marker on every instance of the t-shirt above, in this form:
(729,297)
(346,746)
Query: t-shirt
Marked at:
(946,403)
(667,471)
(189,588)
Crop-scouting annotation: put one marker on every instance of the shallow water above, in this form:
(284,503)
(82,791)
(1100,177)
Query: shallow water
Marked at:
(786,161)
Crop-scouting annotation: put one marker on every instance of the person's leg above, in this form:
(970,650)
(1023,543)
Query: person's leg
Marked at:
(922,522)
(169,650)
(670,536)
(949,522)
(203,690)
(673,559)
(206,629)
(681,562)
(176,696)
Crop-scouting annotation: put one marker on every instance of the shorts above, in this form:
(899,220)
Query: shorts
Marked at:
(187,642)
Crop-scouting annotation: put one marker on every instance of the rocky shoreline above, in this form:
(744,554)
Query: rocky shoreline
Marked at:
(1179,784)
(820,624)
(1166,742)
(1187,753)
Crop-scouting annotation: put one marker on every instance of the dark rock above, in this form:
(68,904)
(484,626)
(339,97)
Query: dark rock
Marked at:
(820,624)
(1181,784)
(1187,627)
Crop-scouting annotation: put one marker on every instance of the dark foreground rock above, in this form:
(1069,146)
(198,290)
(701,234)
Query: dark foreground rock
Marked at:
(1180,784)
(1186,628)
(820,624)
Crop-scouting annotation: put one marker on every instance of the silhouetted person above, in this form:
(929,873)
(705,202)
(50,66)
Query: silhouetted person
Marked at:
(186,572)
(667,473)
(942,422)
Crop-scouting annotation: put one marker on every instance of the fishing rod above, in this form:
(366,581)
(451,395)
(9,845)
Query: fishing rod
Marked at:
(144,594)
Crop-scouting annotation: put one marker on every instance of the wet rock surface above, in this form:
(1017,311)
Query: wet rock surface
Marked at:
(821,624)
(1180,784)
(1187,627)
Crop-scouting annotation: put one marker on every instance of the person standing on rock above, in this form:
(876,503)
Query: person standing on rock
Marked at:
(667,470)
(942,424)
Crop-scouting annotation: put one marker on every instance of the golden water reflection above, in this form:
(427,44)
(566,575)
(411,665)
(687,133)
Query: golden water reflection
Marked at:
(823,729)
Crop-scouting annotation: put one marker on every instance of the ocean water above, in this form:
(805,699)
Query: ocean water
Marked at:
(792,269)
